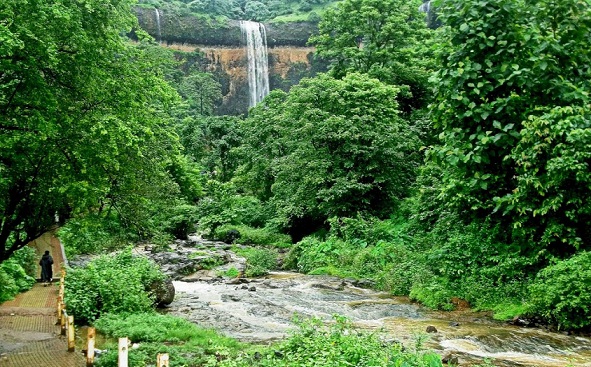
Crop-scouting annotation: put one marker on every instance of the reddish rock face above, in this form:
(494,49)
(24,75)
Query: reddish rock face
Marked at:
(222,52)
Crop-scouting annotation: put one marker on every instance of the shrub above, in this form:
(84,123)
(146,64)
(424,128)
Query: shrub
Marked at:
(180,221)
(186,343)
(562,292)
(252,236)
(111,283)
(13,276)
(314,344)
(258,261)
(92,234)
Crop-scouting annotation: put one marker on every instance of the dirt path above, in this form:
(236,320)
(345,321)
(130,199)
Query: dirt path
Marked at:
(29,336)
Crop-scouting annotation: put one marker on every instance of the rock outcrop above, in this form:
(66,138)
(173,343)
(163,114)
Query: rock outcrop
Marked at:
(218,47)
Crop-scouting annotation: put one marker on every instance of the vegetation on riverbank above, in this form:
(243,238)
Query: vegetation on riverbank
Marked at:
(447,165)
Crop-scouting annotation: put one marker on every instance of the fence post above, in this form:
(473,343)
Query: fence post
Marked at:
(59,310)
(63,320)
(123,345)
(90,347)
(71,334)
(162,360)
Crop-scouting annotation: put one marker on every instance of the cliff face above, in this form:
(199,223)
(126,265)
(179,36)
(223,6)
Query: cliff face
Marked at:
(224,52)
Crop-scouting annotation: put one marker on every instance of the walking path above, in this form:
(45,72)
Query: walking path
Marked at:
(29,336)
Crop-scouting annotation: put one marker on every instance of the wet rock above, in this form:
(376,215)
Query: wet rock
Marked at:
(454,324)
(431,329)
(231,236)
(519,321)
(237,281)
(164,291)
(230,297)
(332,287)
(449,359)
(252,289)
(270,284)
(244,287)
(364,283)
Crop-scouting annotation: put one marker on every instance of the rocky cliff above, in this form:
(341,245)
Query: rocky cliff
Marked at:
(223,49)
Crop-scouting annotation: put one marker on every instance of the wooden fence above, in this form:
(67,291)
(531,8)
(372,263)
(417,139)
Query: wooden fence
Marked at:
(66,323)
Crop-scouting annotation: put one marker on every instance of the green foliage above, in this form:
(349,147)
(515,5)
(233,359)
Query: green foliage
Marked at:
(13,276)
(562,292)
(257,10)
(186,343)
(111,284)
(231,273)
(83,121)
(253,236)
(337,345)
(201,91)
(27,258)
(505,147)
(330,147)
(222,205)
(92,234)
(181,220)
(258,260)
(383,38)
(209,141)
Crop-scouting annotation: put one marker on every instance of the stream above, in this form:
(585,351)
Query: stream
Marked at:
(261,310)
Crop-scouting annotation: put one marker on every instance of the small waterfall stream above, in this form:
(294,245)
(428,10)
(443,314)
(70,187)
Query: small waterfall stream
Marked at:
(425,7)
(258,64)
(158,25)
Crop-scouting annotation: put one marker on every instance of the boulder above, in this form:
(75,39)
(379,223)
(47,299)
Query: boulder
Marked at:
(164,291)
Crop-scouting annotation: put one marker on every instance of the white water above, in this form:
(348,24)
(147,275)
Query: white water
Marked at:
(425,7)
(158,25)
(258,64)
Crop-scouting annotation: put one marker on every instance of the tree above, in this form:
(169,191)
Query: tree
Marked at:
(339,148)
(81,113)
(210,140)
(513,110)
(256,10)
(384,38)
(202,92)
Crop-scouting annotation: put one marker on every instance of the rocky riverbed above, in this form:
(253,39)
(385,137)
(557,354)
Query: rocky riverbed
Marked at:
(262,309)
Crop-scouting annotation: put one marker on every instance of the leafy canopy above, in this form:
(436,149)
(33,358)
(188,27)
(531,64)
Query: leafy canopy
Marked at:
(513,111)
(81,114)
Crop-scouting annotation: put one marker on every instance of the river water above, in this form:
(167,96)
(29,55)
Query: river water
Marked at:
(262,310)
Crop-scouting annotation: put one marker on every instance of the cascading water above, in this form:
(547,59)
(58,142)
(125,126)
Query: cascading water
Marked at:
(425,7)
(258,64)
(158,25)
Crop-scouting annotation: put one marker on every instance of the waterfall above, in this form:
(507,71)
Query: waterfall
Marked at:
(258,63)
(425,7)
(158,25)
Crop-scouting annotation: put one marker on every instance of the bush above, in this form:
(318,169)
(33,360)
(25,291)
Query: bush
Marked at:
(562,292)
(186,343)
(13,276)
(181,221)
(252,236)
(111,283)
(258,261)
(92,234)
(314,344)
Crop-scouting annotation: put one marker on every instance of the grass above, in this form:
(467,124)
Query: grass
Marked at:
(507,311)
(186,343)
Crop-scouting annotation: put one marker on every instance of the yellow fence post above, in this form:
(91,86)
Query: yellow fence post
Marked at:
(123,345)
(90,347)
(63,320)
(59,310)
(71,334)
(162,360)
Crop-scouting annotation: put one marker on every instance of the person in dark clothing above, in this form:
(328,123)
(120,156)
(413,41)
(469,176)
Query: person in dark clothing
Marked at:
(46,263)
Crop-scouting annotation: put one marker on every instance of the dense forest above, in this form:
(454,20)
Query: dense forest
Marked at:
(448,164)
